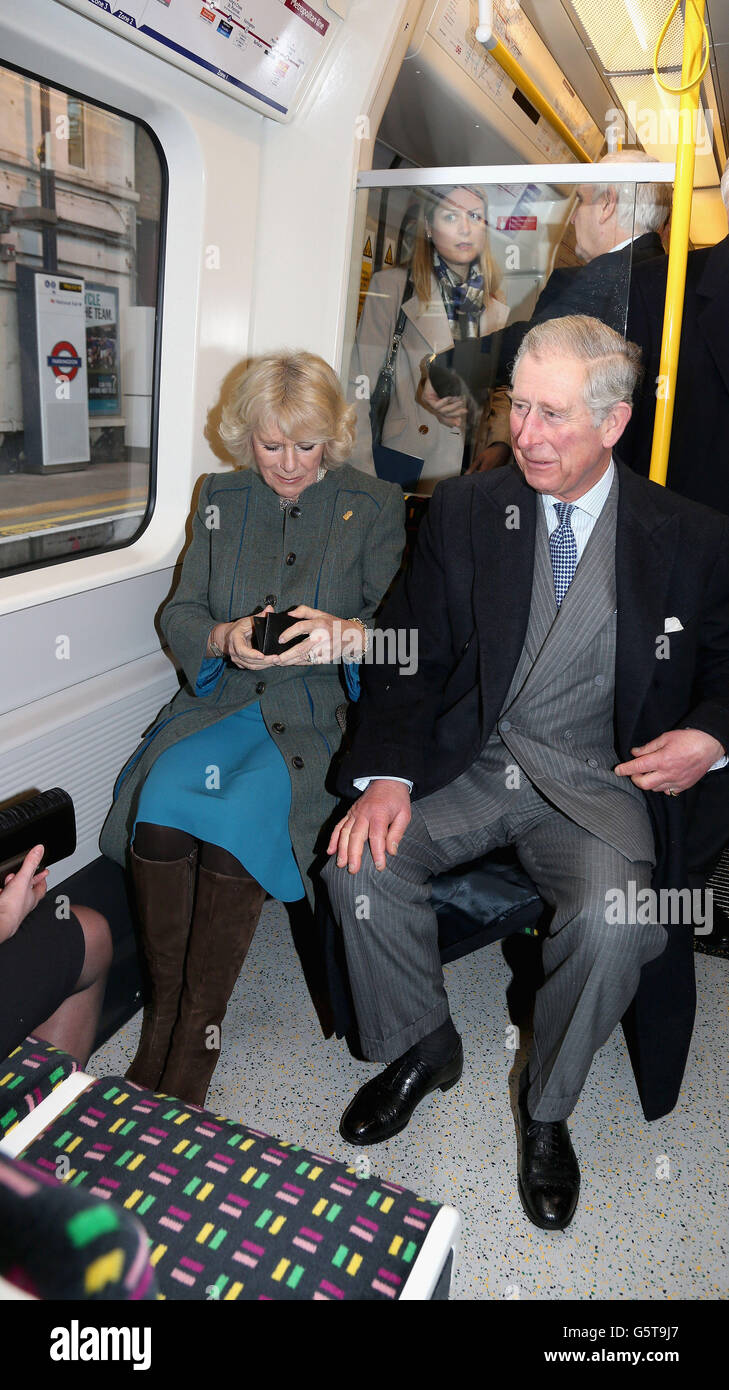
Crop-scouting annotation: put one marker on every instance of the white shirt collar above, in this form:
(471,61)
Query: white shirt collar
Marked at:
(593,501)
(622,244)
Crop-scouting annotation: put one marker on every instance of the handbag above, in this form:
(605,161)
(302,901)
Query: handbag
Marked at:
(46,819)
(380,397)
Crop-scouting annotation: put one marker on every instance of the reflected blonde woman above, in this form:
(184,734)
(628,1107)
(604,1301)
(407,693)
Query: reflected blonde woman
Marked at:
(448,291)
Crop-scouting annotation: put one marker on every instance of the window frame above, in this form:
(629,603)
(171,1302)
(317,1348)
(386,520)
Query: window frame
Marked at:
(55,560)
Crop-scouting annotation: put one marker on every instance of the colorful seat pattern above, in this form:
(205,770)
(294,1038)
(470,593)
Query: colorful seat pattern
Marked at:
(56,1243)
(231,1213)
(27,1076)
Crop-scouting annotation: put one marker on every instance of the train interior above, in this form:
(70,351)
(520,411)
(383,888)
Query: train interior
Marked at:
(189,226)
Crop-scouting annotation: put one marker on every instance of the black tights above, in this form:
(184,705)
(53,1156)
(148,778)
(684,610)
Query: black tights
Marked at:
(162,843)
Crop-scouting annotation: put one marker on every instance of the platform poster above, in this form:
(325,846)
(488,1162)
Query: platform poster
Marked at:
(101,303)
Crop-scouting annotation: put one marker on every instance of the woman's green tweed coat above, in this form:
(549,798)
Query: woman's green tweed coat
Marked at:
(337,551)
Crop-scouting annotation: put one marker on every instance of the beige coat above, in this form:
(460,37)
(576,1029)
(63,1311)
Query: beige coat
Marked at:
(409,427)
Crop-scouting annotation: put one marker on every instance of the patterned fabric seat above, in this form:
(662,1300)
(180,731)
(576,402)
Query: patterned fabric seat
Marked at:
(231,1213)
(56,1243)
(31,1072)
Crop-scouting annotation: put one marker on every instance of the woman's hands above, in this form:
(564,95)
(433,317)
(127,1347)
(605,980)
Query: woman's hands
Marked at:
(21,892)
(328,637)
(235,640)
(452,411)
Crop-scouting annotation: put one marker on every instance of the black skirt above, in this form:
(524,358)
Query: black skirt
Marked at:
(39,967)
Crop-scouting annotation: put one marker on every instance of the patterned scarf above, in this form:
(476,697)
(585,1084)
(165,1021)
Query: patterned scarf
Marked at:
(463,300)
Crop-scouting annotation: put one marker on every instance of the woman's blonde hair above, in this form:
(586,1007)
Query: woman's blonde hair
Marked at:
(300,394)
(421,265)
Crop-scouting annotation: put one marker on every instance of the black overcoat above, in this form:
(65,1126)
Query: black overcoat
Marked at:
(698,466)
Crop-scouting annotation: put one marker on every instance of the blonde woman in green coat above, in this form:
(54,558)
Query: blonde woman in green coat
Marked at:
(225,798)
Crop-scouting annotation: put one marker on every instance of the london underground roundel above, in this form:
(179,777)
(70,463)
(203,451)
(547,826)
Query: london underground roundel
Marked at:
(64,360)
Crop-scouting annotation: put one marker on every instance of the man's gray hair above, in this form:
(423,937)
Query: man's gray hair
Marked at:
(725,186)
(652,200)
(612,365)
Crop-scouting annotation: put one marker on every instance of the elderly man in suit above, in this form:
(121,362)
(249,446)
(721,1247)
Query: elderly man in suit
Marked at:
(541,715)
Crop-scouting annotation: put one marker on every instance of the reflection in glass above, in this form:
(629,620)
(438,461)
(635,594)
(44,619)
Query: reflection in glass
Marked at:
(463,273)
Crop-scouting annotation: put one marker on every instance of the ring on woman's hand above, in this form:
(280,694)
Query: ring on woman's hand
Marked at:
(311,655)
(672,791)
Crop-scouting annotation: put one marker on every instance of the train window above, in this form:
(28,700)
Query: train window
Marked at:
(81,227)
(447,278)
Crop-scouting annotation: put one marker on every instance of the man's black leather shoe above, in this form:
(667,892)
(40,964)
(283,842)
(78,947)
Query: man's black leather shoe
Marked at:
(549,1175)
(385,1104)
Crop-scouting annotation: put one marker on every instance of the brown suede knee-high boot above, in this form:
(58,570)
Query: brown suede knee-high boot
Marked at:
(225,917)
(165,892)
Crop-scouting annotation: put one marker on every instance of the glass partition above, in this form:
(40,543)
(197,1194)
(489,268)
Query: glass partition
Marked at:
(450,270)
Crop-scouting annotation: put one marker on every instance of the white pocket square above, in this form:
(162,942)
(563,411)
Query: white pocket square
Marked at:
(673,625)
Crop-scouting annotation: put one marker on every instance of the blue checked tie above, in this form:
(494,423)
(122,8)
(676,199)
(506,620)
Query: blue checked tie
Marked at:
(563,550)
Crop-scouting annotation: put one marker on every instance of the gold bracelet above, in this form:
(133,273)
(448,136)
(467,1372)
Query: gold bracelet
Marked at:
(355,660)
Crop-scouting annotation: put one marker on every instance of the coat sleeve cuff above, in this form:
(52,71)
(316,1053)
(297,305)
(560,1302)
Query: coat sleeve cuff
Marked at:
(209,675)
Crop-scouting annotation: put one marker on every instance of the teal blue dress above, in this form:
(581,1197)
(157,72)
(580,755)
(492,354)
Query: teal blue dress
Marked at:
(229,785)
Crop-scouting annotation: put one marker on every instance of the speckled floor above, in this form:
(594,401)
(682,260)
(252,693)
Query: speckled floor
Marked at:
(652,1219)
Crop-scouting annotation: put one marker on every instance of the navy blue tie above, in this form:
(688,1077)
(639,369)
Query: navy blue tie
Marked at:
(563,550)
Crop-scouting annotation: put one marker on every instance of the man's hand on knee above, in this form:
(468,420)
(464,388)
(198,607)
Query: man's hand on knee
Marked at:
(381,815)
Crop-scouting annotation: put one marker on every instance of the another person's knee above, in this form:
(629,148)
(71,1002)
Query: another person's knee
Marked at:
(99,947)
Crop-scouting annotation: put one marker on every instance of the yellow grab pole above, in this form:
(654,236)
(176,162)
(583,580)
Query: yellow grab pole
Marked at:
(507,62)
(678,249)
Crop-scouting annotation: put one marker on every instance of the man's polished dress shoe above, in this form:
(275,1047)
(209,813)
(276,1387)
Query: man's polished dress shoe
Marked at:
(549,1175)
(385,1104)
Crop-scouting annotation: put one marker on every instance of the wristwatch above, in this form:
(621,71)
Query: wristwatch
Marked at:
(213,646)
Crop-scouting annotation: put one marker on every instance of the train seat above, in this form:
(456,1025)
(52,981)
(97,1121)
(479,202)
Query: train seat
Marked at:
(31,1073)
(483,902)
(229,1212)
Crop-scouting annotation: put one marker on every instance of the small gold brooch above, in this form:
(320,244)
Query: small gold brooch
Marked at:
(347,515)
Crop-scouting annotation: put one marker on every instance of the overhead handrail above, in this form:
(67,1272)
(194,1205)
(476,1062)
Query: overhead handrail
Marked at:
(679,91)
(508,63)
(691,74)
